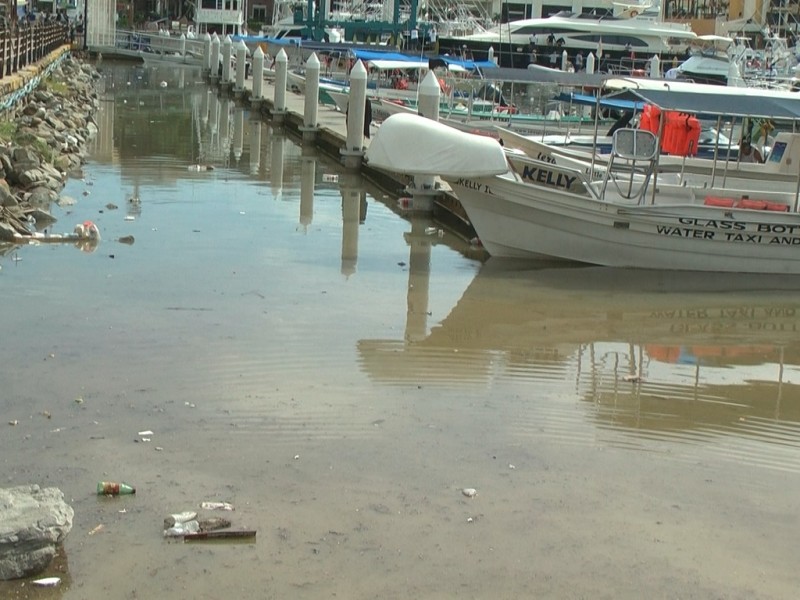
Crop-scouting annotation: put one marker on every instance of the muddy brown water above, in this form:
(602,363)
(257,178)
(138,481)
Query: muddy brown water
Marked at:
(338,372)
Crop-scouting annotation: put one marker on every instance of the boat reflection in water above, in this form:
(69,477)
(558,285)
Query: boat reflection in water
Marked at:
(658,355)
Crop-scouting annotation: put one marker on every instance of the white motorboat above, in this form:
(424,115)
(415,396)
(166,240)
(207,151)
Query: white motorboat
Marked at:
(524,207)
(723,60)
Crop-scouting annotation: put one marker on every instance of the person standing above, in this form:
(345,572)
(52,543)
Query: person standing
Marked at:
(748,154)
(367,116)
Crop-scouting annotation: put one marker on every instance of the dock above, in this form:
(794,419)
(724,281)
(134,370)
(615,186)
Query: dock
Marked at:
(330,137)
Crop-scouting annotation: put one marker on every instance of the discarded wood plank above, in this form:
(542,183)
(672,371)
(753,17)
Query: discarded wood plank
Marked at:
(220,535)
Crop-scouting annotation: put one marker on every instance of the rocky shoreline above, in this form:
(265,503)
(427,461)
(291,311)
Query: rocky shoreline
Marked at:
(42,142)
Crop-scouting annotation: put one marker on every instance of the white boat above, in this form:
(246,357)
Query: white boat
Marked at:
(723,60)
(641,33)
(522,207)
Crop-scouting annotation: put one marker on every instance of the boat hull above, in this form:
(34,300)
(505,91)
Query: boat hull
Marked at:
(519,220)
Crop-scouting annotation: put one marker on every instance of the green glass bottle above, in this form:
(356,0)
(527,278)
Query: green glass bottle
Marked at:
(111,488)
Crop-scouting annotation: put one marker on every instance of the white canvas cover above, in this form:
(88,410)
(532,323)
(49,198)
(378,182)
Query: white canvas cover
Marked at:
(414,145)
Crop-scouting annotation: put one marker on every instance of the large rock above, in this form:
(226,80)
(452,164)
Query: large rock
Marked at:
(32,522)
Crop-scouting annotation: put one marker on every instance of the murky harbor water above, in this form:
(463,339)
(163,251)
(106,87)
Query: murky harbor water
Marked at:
(339,373)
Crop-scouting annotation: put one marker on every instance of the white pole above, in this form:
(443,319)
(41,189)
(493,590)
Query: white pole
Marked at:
(227,45)
(655,67)
(207,52)
(312,92)
(590,64)
(214,57)
(355,107)
(429,97)
(281,68)
(258,73)
(241,66)
(424,189)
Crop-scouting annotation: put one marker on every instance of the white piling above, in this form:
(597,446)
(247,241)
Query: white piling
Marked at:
(182,44)
(241,67)
(491,55)
(206,53)
(215,60)
(564,60)
(227,46)
(430,95)
(655,67)
(590,64)
(424,189)
(258,76)
(311,104)
(353,152)
(281,69)
(734,75)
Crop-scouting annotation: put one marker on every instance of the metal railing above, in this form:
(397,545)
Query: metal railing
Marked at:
(25,43)
(158,43)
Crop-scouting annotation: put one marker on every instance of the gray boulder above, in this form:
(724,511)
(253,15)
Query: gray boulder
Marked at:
(32,522)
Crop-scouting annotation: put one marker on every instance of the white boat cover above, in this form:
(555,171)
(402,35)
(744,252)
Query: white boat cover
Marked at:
(414,145)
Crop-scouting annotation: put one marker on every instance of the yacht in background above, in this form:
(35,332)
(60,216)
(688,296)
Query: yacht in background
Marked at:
(722,60)
(633,31)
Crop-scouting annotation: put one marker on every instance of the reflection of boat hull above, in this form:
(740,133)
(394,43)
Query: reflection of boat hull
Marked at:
(511,312)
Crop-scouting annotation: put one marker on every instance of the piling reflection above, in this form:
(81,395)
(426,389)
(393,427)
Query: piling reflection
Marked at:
(308,176)
(277,154)
(679,354)
(238,134)
(419,273)
(354,212)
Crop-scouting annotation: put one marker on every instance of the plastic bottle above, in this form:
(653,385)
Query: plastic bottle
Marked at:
(111,488)
(181,529)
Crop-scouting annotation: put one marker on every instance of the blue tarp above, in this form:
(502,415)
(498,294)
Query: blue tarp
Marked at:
(469,65)
(367,55)
(589,100)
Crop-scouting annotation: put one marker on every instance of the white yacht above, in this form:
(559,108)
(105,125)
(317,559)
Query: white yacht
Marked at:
(713,58)
(635,31)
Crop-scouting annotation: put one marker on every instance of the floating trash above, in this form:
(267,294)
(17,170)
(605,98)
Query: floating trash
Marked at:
(216,506)
(469,492)
(47,581)
(183,517)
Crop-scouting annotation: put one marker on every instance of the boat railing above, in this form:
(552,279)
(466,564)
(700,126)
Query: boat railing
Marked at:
(158,42)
